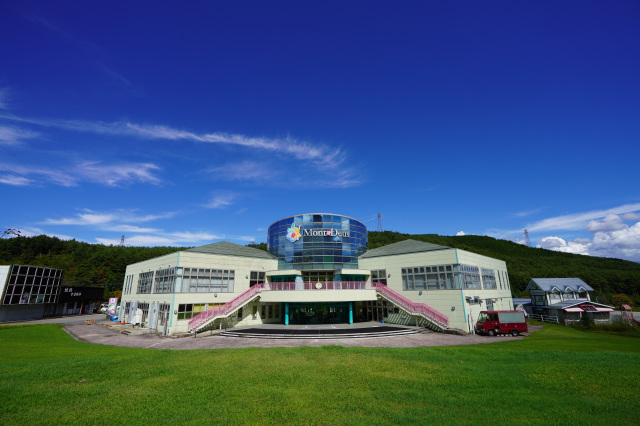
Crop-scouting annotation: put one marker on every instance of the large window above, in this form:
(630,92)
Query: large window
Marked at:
(470,276)
(164,280)
(256,277)
(489,279)
(438,277)
(203,280)
(128,281)
(32,284)
(145,280)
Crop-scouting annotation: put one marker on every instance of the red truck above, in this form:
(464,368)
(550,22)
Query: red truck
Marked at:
(501,322)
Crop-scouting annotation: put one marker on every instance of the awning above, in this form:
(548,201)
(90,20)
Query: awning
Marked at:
(574,309)
(604,309)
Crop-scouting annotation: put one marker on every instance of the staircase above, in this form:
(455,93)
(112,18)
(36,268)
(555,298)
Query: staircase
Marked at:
(434,319)
(207,317)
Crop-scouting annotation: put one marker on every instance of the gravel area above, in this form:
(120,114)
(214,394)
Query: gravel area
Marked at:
(101,335)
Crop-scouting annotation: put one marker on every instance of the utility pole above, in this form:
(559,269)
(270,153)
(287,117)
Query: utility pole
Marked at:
(526,238)
(379,222)
(11,231)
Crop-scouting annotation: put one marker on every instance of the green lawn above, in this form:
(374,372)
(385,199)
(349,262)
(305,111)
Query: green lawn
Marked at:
(558,375)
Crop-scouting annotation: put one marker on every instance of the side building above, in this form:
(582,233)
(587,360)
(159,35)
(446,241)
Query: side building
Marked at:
(28,292)
(317,270)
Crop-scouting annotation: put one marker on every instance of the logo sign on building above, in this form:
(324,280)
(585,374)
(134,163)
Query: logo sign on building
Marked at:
(294,233)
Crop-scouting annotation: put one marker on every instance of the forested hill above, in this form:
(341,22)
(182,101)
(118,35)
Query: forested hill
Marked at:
(607,276)
(95,264)
(84,264)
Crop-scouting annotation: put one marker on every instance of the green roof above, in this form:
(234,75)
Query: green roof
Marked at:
(226,248)
(403,247)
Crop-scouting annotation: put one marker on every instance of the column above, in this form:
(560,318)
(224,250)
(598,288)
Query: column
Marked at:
(286,313)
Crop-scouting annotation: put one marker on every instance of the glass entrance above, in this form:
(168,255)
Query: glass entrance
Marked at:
(319,313)
(315,276)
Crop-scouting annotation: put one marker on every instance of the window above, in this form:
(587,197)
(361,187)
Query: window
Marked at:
(440,277)
(379,276)
(29,285)
(256,277)
(488,279)
(188,310)
(128,281)
(145,280)
(203,280)
(164,280)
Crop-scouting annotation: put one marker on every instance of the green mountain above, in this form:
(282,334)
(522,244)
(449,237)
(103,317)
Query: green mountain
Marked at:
(99,265)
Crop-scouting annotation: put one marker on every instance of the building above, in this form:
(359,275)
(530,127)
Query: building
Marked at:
(317,270)
(28,292)
(566,299)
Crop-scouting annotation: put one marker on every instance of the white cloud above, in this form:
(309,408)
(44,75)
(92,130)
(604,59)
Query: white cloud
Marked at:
(14,135)
(628,217)
(15,180)
(221,200)
(527,212)
(245,170)
(113,174)
(131,228)
(323,158)
(164,239)
(578,220)
(110,175)
(611,222)
(89,217)
(192,237)
(580,246)
(608,241)
(460,233)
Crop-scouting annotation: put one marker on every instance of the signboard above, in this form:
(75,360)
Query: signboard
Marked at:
(111,309)
(294,233)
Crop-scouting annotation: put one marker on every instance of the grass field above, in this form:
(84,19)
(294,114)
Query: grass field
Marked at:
(558,375)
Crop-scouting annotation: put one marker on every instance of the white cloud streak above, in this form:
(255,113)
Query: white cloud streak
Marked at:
(14,136)
(220,200)
(322,157)
(109,175)
(15,180)
(579,220)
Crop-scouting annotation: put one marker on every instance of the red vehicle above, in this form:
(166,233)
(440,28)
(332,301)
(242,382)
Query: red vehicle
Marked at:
(501,322)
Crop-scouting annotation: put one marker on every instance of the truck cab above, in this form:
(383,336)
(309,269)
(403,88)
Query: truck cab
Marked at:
(493,323)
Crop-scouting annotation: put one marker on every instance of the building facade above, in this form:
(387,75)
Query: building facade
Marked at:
(565,299)
(28,292)
(317,269)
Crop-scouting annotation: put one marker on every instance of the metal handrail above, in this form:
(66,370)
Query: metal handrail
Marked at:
(412,307)
(319,285)
(225,309)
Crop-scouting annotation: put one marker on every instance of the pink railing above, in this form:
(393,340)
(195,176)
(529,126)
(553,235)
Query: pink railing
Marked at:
(324,285)
(410,306)
(225,309)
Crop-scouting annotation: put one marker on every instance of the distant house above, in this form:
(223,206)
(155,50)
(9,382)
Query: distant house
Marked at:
(566,299)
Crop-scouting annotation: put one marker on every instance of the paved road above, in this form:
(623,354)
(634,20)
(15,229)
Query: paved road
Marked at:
(101,335)
(68,320)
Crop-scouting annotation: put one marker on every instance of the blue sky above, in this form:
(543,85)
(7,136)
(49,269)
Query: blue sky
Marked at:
(189,123)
